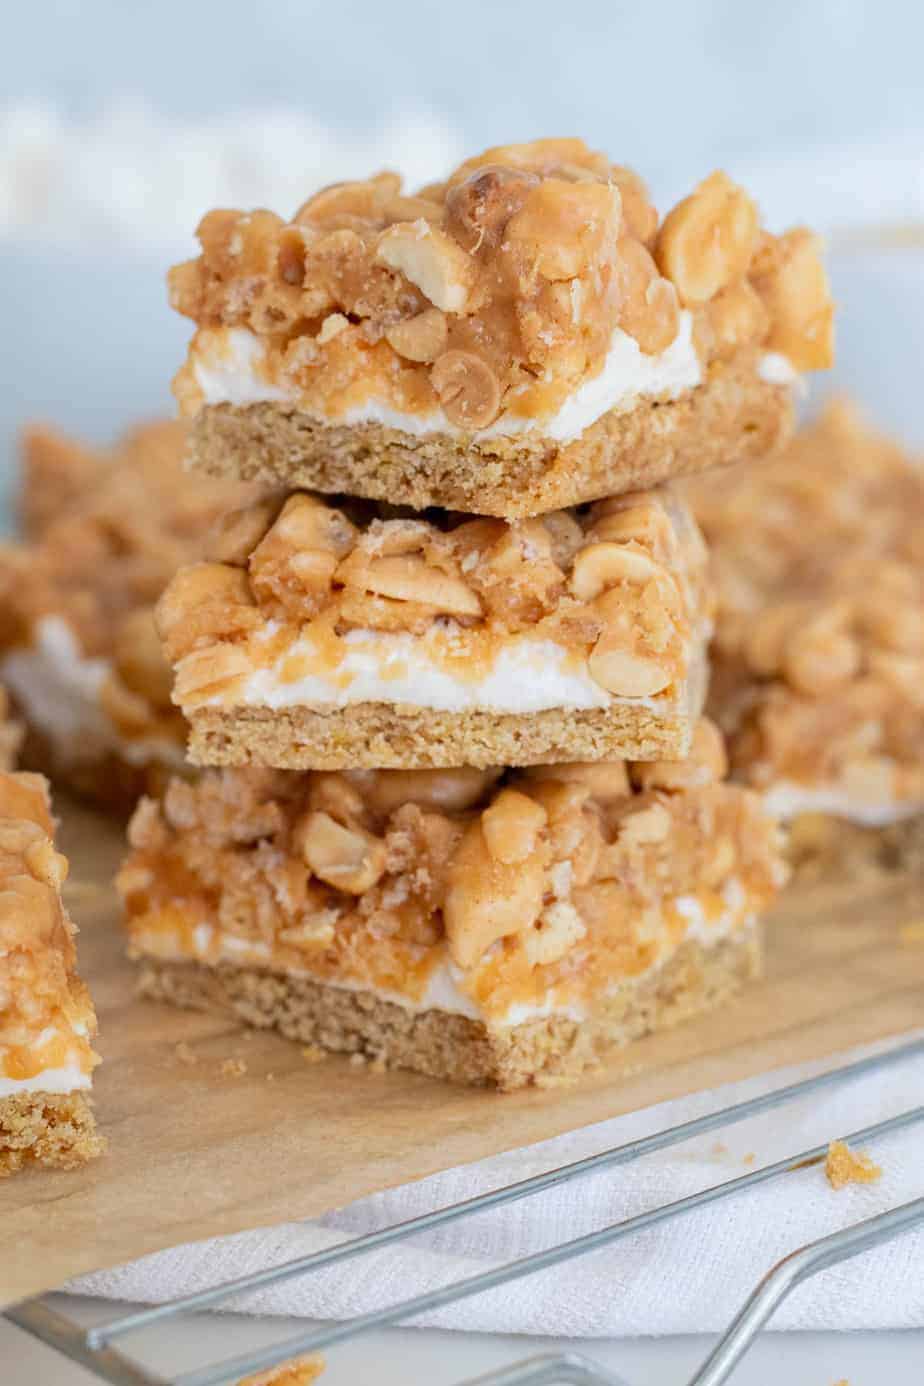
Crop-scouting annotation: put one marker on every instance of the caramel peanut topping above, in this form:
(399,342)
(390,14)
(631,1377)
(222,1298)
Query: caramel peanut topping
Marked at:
(107,531)
(39,988)
(622,588)
(553,880)
(498,291)
(819,650)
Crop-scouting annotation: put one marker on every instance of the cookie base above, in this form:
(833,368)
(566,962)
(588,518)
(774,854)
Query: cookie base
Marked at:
(57,1130)
(383,736)
(734,416)
(450,1046)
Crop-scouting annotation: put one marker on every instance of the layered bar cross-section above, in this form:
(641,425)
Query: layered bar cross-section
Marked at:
(818,659)
(328,635)
(47,1021)
(478,925)
(104,533)
(525,336)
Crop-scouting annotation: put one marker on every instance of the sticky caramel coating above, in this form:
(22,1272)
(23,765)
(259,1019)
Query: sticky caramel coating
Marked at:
(621,582)
(107,531)
(818,559)
(559,877)
(499,289)
(39,986)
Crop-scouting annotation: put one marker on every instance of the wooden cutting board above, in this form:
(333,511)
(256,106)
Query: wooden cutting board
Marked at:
(195,1152)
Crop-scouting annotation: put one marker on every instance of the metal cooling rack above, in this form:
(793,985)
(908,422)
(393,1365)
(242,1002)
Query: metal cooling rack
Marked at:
(94,1348)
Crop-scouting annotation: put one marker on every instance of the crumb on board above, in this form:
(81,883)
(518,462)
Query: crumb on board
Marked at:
(271,1077)
(298,1371)
(184,1054)
(357,1061)
(845,1166)
(913,932)
(233,1068)
(312,1054)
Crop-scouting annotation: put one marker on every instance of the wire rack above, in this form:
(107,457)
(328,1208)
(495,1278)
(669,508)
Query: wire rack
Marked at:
(95,1348)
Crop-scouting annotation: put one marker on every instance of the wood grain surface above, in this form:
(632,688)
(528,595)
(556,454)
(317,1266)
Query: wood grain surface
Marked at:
(196,1152)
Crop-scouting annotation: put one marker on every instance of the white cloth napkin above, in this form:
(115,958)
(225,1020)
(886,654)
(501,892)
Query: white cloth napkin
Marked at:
(687,1275)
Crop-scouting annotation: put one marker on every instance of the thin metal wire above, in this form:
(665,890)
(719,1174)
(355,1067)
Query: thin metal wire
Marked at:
(607,1159)
(551,1369)
(787,1274)
(50,1327)
(92,1348)
(316,1339)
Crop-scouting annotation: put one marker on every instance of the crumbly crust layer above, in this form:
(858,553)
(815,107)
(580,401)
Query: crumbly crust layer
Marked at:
(733,416)
(449,1046)
(57,1130)
(382,736)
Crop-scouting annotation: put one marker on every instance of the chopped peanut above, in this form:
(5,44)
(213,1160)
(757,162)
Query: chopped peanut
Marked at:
(485,899)
(467,388)
(511,826)
(708,240)
(432,260)
(350,859)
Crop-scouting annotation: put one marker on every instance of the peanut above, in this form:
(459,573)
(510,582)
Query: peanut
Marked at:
(422,338)
(408,577)
(431,260)
(467,388)
(795,292)
(486,900)
(706,764)
(234,537)
(599,566)
(708,239)
(348,859)
(511,826)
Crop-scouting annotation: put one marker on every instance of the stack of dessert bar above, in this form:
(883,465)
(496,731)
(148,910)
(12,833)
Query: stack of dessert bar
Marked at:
(466,815)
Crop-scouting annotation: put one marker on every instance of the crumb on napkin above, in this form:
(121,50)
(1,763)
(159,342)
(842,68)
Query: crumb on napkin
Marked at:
(845,1166)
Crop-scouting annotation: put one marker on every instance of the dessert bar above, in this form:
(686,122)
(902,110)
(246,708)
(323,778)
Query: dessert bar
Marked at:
(325,635)
(818,658)
(47,1020)
(523,337)
(78,650)
(478,925)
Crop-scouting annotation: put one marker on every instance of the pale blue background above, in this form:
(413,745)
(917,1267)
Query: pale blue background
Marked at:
(680,82)
(674,88)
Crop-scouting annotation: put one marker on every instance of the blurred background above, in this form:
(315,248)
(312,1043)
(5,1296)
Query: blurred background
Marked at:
(120,123)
